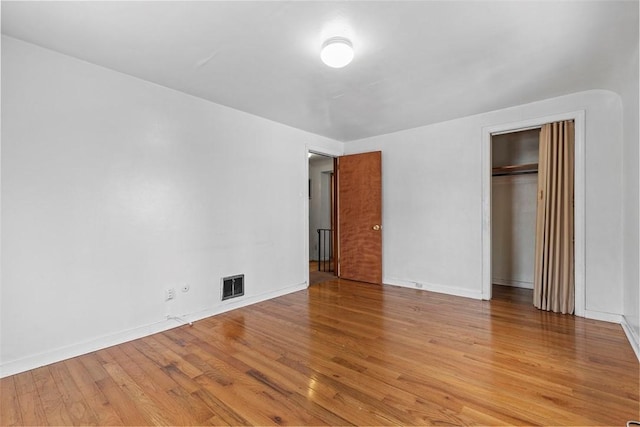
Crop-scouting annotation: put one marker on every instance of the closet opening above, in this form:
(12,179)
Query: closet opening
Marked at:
(533,214)
(514,187)
(576,119)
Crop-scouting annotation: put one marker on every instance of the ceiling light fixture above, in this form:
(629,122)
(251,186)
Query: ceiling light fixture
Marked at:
(337,52)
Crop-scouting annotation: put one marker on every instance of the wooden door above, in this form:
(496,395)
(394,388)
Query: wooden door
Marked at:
(360,217)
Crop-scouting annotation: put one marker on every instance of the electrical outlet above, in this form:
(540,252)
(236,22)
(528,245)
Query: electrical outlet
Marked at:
(170,294)
(185,287)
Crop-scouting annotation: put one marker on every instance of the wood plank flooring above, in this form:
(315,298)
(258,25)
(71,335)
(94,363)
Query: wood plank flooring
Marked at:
(343,353)
(316,276)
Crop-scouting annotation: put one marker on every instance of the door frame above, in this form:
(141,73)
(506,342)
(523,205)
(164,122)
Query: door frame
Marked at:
(323,151)
(579,198)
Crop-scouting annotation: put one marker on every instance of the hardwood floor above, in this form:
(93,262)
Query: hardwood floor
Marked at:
(342,353)
(316,276)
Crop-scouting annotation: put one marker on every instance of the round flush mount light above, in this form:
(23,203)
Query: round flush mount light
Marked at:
(337,52)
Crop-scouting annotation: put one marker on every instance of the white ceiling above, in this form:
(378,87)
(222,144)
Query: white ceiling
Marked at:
(416,63)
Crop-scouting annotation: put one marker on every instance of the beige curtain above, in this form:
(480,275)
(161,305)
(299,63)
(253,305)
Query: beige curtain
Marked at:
(553,283)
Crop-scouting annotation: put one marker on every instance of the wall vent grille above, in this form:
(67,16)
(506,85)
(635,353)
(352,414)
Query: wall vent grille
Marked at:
(232,286)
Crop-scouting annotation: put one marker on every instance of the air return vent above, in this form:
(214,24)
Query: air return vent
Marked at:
(232,286)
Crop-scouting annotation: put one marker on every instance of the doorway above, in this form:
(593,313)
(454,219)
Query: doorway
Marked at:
(514,182)
(579,199)
(354,246)
(322,218)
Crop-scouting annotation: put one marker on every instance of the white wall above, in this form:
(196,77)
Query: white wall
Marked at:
(432,207)
(513,229)
(515,148)
(631,199)
(320,202)
(115,189)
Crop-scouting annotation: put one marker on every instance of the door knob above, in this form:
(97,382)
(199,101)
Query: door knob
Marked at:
(376,227)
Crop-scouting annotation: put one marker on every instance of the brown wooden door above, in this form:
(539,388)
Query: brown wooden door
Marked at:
(360,217)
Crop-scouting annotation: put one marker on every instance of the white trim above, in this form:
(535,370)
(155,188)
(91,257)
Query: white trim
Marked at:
(431,287)
(305,209)
(520,129)
(323,151)
(580,214)
(579,191)
(74,350)
(603,316)
(486,171)
(634,339)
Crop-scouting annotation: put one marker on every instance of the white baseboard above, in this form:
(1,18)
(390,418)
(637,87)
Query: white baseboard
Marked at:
(242,302)
(601,315)
(449,290)
(67,352)
(73,350)
(633,338)
(512,283)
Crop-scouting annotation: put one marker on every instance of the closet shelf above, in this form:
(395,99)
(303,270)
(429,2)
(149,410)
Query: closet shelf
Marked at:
(515,169)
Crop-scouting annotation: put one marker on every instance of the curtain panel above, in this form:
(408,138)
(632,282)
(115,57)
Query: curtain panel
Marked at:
(553,286)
